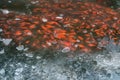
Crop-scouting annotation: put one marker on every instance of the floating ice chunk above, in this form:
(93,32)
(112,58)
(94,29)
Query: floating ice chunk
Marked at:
(9,1)
(84,18)
(93,25)
(34,2)
(76,45)
(17,19)
(61,14)
(18,77)
(78,40)
(26,49)
(20,47)
(115,18)
(38,57)
(59,17)
(66,49)
(29,33)
(33,67)
(2,71)
(49,43)
(44,20)
(18,71)
(1,30)
(2,51)
(5,11)
(29,54)
(84,31)
(7,41)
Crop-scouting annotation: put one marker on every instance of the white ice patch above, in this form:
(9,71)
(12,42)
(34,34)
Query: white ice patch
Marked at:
(38,57)
(17,19)
(59,17)
(25,49)
(115,18)
(78,40)
(44,20)
(18,71)
(49,43)
(34,2)
(66,49)
(20,47)
(2,71)
(9,1)
(112,62)
(33,67)
(84,31)
(1,30)
(76,45)
(5,11)
(6,41)
(29,33)
(18,77)
(2,51)
(29,55)
(84,18)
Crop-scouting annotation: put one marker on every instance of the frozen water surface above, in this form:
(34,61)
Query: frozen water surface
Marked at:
(17,65)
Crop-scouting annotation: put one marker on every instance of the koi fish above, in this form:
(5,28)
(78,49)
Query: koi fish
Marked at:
(82,27)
